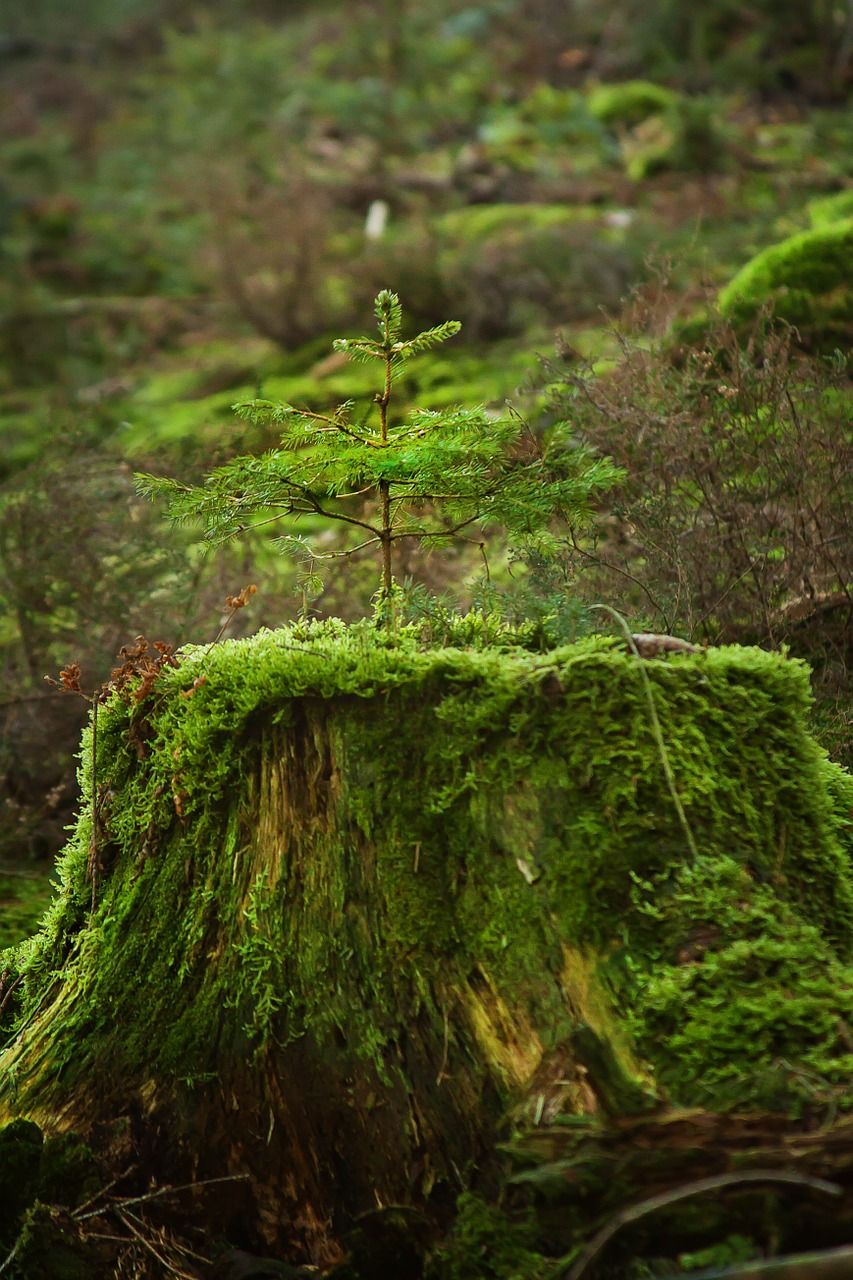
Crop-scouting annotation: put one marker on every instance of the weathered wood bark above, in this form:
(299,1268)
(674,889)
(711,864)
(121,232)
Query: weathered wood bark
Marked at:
(360,903)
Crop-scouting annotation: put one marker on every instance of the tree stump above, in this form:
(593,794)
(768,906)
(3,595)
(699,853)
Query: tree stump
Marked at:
(360,902)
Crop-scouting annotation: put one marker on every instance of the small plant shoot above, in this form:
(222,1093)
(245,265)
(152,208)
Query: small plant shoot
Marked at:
(436,477)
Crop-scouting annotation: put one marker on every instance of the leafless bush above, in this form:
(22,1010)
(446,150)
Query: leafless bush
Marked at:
(733,520)
(277,246)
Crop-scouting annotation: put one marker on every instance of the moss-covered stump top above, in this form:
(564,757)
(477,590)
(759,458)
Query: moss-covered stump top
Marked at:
(806,280)
(356,897)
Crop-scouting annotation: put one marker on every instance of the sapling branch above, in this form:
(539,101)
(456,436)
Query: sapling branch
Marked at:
(430,477)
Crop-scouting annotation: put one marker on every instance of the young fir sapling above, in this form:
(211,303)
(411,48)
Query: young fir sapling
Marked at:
(432,476)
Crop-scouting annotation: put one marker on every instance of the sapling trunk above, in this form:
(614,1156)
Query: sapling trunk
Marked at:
(384,485)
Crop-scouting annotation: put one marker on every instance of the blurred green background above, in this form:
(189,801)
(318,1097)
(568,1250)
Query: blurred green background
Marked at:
(185,219)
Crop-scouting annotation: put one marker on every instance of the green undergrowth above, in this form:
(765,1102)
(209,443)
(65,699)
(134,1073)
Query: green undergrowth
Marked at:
(23,899)
(173,408)
(630,102)
(733,965)
(312,828)
(40,1180)
(486,1244)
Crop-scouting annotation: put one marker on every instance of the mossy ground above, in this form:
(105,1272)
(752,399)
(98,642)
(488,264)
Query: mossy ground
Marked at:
(806,280)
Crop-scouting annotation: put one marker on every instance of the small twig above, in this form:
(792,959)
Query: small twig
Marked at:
(482,549)
(615,568)
(641,1210)
(146,1244)
(118,1205)
(102,1191)
(95,815)
(174,1242)
(7,995)
(444,1051)
(656,728)
(10,1257)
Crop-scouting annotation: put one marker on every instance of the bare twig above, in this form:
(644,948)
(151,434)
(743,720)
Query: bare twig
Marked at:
(10,1257)
(717,1183)
(146,1244)
(102,1191)
(444,1050)
(7,995)
(118,1205)
(656,728)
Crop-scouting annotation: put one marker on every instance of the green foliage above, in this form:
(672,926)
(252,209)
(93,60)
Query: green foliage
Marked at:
(727,455)
(432,477)
(630,102)
(37,1175)
(734,966)
(829,209)
(23,899)
(734,1249)
(769,44)
(660,130)
(805,280)
(487,1244)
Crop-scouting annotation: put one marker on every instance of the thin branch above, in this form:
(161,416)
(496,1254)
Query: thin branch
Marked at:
(159,1193)
(482,547)
(146,1244)
(608,564)
(439,533)
(717,1183)
(334,425)
(10,1257)
(656,728)
(336,515)
(7,995)
(174,1242)
(102,1191)
(349,551)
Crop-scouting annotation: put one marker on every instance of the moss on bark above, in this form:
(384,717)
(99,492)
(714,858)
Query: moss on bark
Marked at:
(360,898)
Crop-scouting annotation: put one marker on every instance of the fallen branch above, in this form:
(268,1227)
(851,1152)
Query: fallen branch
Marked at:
(117,1206)
(633,1213)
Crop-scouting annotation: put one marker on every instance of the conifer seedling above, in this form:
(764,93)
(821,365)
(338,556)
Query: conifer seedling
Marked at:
(431,476)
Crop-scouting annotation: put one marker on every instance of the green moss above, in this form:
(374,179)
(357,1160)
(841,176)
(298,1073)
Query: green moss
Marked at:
(805,280)
(47,1251)
(487,1244)
(685,138)
(630,102)
(831,209)
(477,223)
(727,965)
(20,1165)
(36,1176)
(282,853)
(69,1175)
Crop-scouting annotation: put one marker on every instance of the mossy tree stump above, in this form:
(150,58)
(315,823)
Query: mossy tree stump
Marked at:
(359,901)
